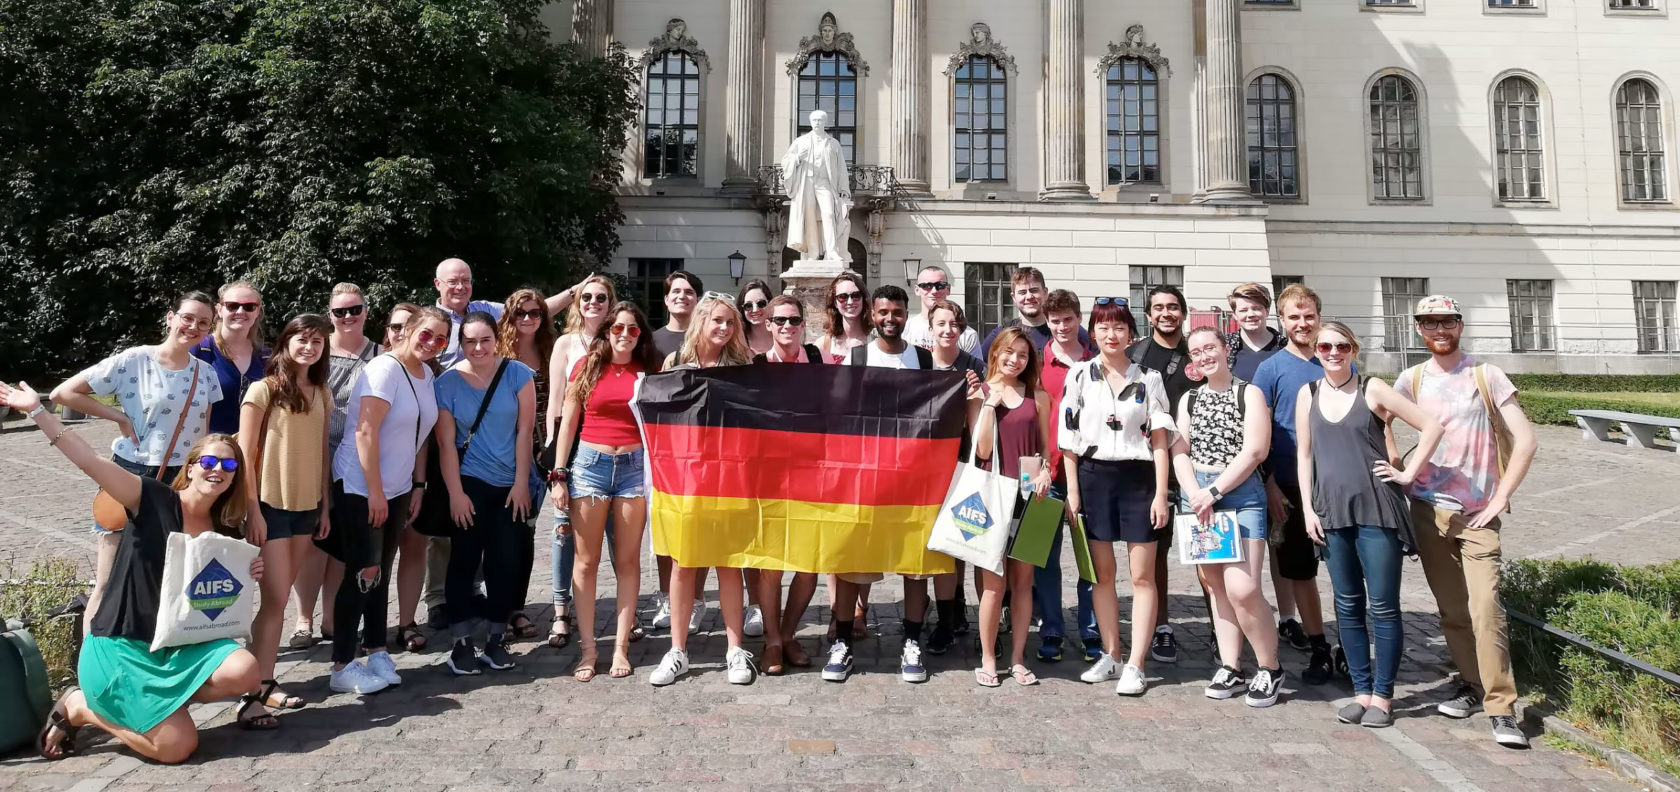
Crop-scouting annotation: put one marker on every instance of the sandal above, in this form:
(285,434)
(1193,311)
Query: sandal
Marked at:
(560,634)
(411,636)
(521,627)
(287,701)
(59,719)
(796,655)
(263,722)
(302,638)
(984,678)
(620,667)
(772,665)
(1023,675)
(585,670)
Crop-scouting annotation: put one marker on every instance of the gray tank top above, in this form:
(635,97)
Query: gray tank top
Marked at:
(1345,491)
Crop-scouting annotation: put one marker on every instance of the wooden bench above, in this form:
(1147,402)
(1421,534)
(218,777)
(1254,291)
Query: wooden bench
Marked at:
(1641,429)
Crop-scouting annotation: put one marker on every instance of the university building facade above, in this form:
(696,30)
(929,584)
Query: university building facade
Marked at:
(1512,153)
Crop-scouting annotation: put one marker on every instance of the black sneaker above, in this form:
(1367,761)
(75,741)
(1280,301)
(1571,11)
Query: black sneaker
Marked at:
(1050,650)
(1290,631)
(1463,704)
(1164,648)
(1506,732)
(941,639)
(1318,668)
(496,656)
(1226,682)
(1263,688)
(463,660)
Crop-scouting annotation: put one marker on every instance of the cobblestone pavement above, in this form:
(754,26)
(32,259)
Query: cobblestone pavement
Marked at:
(536,727)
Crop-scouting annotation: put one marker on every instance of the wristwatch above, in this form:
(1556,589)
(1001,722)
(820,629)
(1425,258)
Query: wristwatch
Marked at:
(1214,491)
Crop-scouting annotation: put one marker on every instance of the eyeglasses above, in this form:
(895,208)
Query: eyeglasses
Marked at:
(852,296)
(193,322)
(523,315)
(623,329)
(1210,350)
(784,321)
(1120,301)
(1440,324)
(934,285)
(1343,347)
(236,307)
(428,338)
(458,282)
(348,311)
(593,297)
(210,462)
(754,305)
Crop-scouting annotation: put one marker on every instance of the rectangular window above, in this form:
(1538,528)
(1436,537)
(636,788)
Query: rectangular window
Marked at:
(1633,5)
(1390,3)
(1132,114)
(981,121)
(986,295)
(829,83)
(1146,278)
(1270,122)
(1396,140)
(1400,298)
(647,286)
(1531,315)
(1653,314)
(672,118)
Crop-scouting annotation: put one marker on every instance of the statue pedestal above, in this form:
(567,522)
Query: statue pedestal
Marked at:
(807,281)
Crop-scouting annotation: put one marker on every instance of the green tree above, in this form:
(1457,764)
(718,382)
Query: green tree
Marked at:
(154,146)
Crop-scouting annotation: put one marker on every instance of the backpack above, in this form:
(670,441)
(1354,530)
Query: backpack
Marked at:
(860,357)
(1242,400)
(1501,433)
(25,696)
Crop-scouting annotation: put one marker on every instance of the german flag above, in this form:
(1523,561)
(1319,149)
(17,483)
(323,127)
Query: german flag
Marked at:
(801,467)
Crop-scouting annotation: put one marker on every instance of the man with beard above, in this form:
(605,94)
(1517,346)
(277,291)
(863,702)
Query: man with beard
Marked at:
(889,307)
(1280,378)
(1026,289)
(1165,352)
(1456,502)
(933,285)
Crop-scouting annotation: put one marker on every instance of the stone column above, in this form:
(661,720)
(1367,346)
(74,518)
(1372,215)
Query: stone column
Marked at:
(1064,104)
(744,96)
(592,25)
(910,108)
(1224,157)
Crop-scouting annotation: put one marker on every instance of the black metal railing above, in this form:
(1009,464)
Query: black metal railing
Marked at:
(865,181)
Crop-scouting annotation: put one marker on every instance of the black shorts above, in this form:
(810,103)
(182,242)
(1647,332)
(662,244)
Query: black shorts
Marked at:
(1114,498)
(1297,556)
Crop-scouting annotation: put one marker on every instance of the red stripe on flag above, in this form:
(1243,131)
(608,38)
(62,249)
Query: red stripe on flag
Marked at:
(868,470)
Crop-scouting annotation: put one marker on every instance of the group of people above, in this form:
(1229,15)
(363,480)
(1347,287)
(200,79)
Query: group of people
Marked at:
(336,454)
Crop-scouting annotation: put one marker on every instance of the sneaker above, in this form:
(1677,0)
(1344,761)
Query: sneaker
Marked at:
(355,678)
(1131,681)
(662,613)
(839,664)
(941,639)
(496,656)
(462,659)
(1318,668)
(1104,670)
(910,663)
(1225,683)
(697,616)
(382,666)
(674,664)
(753,627)
(1506,733)
(1050,650)
(1463,704)
(1164,649)
(1290,632)
(740,664)
(1263,688)
(1093,648)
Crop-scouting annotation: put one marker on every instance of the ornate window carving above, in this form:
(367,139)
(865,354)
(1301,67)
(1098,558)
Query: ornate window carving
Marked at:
(980,44)
(672,67)
(830,39)
(676,39)
(1134,47)
(827,68)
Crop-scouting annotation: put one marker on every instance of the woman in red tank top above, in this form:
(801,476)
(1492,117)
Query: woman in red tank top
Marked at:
(606,475)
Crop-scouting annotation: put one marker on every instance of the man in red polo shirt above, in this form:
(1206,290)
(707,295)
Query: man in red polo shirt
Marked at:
(1065,349)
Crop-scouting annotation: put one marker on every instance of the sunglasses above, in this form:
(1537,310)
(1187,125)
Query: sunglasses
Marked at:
(712,295)
(428,338)
(210,462)
(785,321)
(348,311)
(754,305)
(1324,347)
(395,326)
(593,297)
(1120,301)
(934,285)
(852,296)
(520,316)
(236,307)
(629,330)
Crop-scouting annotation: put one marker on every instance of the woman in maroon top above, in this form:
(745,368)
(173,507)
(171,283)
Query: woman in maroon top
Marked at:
(606,475)
(1015,424)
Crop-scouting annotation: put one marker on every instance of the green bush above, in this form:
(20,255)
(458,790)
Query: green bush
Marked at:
(1637,710)
(1547,408)
(50,582)
(1597,383)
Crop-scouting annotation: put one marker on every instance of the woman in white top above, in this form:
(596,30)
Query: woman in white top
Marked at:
(848,322)
(1116,428)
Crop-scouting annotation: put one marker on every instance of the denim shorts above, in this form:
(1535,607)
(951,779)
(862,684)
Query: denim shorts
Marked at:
(1248,500)
(598,475)
(285,523)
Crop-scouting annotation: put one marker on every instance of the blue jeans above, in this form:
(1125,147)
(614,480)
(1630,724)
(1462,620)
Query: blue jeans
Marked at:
(1365,567)
(1047,589)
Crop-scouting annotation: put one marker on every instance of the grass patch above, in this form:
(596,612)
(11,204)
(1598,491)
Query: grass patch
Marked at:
(48,584)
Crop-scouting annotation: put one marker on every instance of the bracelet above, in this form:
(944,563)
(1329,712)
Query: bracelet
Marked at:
(60,436)
(556,476)
(39,408)
(419,485)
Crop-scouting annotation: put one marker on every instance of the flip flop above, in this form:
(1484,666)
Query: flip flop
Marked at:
(58,718)
(985,679)
(1023,675)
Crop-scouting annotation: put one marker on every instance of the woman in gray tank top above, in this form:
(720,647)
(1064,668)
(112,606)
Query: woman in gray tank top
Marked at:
(1359,513)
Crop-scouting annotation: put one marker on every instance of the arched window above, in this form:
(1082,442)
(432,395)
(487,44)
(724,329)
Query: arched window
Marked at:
(981,119)
(673,117)
(1273,160)
(1396,139)
(828,83)
(1133,116)
(1639,142)
(1518,154)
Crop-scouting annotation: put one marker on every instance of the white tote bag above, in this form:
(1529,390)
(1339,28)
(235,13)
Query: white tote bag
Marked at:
(207,591)
(974,522)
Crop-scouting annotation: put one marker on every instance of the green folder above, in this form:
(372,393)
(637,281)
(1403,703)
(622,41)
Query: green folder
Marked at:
(1037,531)
(1082,552)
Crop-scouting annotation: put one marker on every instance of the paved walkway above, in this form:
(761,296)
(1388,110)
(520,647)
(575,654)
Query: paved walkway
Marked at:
(535,727)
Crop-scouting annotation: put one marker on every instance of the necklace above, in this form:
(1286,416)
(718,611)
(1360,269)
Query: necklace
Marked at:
(1342,384)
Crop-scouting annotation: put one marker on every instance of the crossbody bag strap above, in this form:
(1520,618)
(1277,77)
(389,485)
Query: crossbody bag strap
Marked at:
(169,450)
(483,407)
(416,392)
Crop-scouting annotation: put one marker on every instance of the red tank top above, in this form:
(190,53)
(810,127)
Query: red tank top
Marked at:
(606,417)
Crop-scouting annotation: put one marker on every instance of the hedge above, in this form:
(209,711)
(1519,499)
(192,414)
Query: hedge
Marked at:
(1598,383)
(1548,408)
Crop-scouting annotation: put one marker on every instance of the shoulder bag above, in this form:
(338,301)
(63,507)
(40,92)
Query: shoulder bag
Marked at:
(110,514)
(434,502)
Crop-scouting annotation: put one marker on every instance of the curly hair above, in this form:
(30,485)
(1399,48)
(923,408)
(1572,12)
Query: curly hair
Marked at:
(507,330)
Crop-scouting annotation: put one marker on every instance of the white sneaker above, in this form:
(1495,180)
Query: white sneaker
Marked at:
(740,664)
(662,615)
(356,678)
(382,666)
(1131,681)
(674,664)
(753,627)
(1101,671)
(910,667)
(697,616)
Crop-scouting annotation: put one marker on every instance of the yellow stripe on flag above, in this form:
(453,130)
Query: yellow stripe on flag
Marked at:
(798,536)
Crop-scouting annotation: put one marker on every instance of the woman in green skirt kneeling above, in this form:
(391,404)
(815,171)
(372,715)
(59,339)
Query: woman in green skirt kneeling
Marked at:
(139,696)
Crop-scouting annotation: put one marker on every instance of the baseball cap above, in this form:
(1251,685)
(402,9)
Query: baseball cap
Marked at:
(1437,305)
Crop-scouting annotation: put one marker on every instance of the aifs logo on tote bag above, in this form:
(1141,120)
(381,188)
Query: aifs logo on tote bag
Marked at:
(214,590)
(972,517)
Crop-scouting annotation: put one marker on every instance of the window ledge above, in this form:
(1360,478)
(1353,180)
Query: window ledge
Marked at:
(1659,12)
(1646,206)
(1412,8)
(1376,201)
(1537,10)
(1281,200)
(1521,203)
(1289,6)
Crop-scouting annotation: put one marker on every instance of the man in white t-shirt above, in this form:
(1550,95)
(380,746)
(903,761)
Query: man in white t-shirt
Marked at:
(933,285)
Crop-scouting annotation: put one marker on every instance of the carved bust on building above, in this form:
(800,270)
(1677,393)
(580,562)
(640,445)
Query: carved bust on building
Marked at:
(819,194)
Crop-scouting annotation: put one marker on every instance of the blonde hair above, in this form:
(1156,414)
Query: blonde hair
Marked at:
(735,351)
(1298,293)
(256,321)
(345,288)
(574,317)
(1340,329)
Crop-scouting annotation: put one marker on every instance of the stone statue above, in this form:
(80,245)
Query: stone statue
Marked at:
(819,194)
